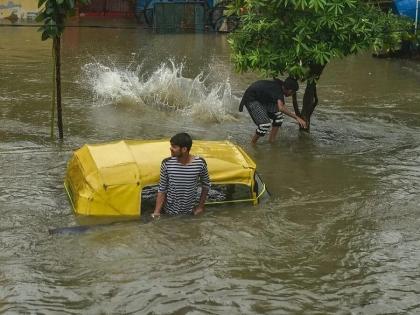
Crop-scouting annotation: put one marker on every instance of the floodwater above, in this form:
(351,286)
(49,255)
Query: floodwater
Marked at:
(340,234)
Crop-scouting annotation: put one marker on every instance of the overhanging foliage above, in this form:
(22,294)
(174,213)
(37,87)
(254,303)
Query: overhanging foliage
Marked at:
(298,36)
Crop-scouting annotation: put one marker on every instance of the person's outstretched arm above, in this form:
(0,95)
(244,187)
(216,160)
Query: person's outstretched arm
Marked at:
(284,110)
(295,104)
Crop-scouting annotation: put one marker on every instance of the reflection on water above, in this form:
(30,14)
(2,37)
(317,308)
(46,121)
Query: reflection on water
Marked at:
(340,234)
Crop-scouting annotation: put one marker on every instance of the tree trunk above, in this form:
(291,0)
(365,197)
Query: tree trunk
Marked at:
(57,48)
(52,120)
(310,98)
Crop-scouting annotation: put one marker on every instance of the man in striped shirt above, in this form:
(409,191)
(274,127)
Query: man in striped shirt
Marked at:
(179,178)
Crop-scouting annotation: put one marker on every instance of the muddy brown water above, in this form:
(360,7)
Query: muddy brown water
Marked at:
(340,234)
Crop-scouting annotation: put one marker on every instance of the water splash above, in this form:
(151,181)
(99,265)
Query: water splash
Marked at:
(165,88)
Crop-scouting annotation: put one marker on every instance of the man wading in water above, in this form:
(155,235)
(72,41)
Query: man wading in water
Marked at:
(264,101)
(179,177)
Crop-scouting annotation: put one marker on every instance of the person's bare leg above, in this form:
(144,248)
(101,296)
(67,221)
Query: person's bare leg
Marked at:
(273,134)
(255,139)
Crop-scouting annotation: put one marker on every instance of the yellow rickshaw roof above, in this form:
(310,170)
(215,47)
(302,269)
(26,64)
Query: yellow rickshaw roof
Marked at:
(107,179)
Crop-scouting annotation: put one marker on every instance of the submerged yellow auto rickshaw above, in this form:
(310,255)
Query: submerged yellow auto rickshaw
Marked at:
(115,179)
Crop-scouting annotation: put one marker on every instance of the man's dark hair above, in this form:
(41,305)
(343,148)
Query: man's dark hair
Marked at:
(182,140)
(291,84)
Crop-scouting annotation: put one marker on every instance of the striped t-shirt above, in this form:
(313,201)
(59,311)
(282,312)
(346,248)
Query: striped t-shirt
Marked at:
(180,183)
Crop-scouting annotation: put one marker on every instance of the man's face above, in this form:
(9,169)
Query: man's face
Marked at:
(288,92)
(177,151)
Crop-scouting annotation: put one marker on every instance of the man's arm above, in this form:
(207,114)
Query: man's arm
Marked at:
(160,200)
(284,110)
(163,187)
(205,187)
(203,196)
(295,104)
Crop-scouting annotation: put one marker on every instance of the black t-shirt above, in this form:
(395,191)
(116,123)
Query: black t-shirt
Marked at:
(267,92)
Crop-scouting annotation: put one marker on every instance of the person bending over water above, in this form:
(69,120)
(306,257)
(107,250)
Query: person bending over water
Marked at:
(264,101)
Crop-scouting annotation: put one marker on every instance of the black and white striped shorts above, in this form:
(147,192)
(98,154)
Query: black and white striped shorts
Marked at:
(263,118)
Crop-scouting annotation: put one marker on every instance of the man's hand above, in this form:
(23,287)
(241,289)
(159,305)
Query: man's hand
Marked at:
(301,122)
(198,210)
(160,200)
(155,215)
(282,108)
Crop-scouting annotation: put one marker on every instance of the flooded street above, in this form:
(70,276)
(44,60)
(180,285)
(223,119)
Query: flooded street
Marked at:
(340,234)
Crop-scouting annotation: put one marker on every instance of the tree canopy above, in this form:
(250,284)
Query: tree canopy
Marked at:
(299,37)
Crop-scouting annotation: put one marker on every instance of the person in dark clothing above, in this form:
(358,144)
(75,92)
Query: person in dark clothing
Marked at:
(264,101)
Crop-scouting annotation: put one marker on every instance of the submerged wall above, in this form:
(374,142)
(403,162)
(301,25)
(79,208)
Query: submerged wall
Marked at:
(14,10)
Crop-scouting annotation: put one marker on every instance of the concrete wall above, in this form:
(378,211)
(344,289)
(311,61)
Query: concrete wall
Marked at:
(20,9)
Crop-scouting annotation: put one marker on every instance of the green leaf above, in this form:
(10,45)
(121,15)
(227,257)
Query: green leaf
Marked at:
(40,17)
(41,2)
(45,35)
(70,3)
(49,10)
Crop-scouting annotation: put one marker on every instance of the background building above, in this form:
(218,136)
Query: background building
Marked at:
(14,10)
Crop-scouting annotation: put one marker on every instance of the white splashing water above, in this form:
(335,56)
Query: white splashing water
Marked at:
(165,89)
